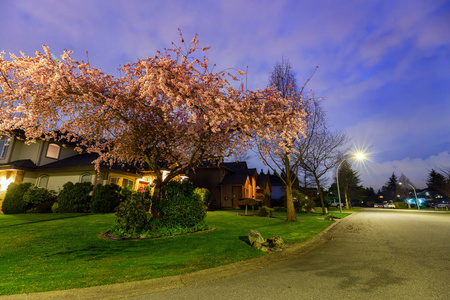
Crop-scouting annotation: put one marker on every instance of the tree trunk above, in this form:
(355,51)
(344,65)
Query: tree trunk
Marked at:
(290,214)
(320,194)
(346,199)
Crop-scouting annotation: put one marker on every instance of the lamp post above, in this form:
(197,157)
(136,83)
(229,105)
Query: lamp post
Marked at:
(415,194)
(358,156)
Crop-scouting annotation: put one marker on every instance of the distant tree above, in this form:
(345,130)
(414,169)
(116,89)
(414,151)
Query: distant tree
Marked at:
(446,172)
(390,188)
(369,194)
(404,189)
(349,183)
(436,181)
(322,154)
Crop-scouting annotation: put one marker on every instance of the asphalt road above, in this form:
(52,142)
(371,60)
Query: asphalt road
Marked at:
(375,254)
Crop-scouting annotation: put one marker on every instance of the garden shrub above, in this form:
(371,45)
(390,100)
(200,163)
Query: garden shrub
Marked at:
(264,211)
(55,207)
(401,204)
(180,206)
(132,216)
(43,208)
(205,196)
(74,198)
(303,203)
(106,198)
(36,195)
(13,202)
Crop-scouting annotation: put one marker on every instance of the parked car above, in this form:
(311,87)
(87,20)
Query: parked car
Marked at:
(334,204)
(378,205)
(389,205)
(441,205)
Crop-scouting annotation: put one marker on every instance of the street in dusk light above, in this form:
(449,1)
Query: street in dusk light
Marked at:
(383,65)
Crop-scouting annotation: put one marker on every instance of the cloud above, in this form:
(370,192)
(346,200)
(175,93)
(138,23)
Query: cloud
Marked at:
(377,174)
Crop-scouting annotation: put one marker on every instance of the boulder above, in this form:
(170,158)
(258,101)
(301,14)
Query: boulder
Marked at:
(273,243)
(254,236)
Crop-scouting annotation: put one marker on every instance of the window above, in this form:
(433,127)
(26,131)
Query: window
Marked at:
(3,146)
(127,183)
(85,177)
(114,180)
(53,151)
(42,181)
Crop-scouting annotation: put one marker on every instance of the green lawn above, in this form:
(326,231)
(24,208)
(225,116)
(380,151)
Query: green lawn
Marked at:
(42,252)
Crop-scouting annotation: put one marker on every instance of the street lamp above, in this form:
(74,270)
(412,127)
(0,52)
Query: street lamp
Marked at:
(358,156)
(415,194)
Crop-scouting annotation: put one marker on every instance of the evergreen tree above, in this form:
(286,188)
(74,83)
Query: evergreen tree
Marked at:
(349,183)
(436,181)
(389,190)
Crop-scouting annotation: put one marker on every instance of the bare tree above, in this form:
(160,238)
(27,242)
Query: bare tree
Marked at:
(321,153)
(285,164)
(404,187)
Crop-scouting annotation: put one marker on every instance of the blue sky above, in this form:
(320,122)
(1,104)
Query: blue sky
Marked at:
(384,66)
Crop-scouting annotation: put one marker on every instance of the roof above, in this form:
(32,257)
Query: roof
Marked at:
(262,180)
(235,179)
(235,166)
(18,164)
(84,160)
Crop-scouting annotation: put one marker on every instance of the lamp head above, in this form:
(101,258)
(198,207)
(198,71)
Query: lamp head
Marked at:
(360,156)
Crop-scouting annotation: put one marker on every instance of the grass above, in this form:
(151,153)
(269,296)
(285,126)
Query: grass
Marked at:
(42,252)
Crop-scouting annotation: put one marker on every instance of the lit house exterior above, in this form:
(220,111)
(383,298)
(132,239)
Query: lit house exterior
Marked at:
(52,164)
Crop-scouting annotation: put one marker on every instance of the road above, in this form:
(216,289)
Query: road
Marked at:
(375,254)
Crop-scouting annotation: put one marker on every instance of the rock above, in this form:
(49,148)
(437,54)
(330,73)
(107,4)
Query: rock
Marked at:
(276,240)
(264,249)
(273,243)
(255,236)
(276,243)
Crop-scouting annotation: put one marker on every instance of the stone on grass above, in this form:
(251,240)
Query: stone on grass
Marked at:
(255,236)
(273,243)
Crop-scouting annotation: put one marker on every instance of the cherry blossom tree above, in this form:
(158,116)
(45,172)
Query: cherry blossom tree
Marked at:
(169,108)
(279,152)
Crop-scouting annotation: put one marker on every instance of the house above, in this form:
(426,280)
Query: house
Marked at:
(51,164)
(230,182)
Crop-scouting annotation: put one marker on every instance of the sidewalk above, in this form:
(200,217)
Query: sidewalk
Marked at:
(136,288)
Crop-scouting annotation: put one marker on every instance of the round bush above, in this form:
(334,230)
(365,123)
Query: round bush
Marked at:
(106,198)
(132,215)
(13,202)
(35,196)
(205,196)
(303,203)
(180,206)
(74,198)
(264,211)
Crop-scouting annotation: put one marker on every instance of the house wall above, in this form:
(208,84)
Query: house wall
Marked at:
(56,180)
(227,196)
(21,151)
(64,152)
(230,195)
(209,178)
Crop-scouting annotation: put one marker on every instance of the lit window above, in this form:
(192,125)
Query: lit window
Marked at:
(3,146)
(53,151)
(42,181)
(114,180)
(85,178)
(127,183)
